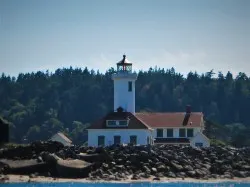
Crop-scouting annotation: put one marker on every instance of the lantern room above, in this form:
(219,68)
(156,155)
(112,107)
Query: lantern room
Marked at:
(124,65)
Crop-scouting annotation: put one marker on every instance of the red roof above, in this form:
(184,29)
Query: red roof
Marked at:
(155,120)
(151,120)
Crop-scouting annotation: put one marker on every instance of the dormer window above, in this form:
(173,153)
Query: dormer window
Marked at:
(117,123)
(111,123)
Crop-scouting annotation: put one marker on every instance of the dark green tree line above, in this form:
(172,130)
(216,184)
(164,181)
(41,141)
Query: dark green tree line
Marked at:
(37,105)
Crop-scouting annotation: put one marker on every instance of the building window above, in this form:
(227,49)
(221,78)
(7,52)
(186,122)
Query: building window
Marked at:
(123,123)
(117,140)
(190,132)
(182,133)
(111,123)
(170,133)
(149,140)
(101,140)
(198,144)
(130,86)
(133,140)
(159,133)
(117,123)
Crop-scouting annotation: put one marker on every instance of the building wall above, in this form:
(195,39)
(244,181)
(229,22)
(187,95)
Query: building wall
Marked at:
(58,138)
(125,134)
(122,97)
(199,138)
(175,133)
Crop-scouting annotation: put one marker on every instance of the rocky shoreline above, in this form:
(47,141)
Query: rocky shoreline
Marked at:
(41,179)
(119,163)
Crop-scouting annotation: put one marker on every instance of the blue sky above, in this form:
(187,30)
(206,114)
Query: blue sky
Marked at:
(188,35)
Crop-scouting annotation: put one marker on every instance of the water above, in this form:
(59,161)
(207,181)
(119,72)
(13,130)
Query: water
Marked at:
(171,184)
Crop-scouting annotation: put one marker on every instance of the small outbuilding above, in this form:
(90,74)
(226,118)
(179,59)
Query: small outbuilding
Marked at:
(62,138)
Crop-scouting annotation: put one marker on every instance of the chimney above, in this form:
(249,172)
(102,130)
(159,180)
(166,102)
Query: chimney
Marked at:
(120,109)
(187,115)
(188,109)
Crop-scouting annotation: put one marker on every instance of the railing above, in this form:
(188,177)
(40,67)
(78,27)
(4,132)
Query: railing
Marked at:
(124,74)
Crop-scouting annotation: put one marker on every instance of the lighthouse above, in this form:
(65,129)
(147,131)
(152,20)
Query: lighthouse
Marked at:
(124,86)
(124,126)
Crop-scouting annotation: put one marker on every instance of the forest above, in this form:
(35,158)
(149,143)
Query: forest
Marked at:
(39,104)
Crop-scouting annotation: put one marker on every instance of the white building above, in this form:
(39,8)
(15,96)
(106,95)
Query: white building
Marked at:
(125,126)
(60,137)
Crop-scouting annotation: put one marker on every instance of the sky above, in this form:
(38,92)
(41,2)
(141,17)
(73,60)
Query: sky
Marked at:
(189,35)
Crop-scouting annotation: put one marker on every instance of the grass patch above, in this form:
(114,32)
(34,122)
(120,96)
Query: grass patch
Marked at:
(217,142)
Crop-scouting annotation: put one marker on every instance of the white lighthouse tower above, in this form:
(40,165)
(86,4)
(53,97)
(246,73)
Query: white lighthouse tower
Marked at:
(124,86)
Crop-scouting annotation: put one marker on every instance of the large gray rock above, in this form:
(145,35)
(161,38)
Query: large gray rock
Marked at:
(73,168)
(241,174)
(176,167)
(191,173)
(96,157)
(170,174)
(117,161)
(24,166)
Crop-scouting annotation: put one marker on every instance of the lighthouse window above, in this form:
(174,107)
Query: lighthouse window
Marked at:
(170,133)
(198,144)
(117,140)
(182,133)
(190,132)
(117,123)
(130,86)
(123,123)
(159,133)
(111,123)
(101,140)
(133,140)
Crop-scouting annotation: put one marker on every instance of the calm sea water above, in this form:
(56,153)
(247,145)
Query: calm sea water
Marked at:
(173,184)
